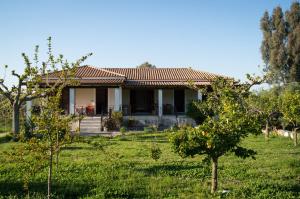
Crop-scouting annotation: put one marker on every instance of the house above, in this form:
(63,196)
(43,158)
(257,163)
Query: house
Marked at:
(149,95)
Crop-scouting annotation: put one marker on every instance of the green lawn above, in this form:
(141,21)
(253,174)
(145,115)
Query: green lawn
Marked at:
(125,170)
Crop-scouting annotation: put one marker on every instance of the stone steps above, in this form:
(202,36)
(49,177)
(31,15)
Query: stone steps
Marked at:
(90,125)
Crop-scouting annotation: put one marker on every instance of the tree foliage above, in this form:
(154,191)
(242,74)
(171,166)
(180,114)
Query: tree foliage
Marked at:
(229,119)
(281,44)
(194,112)
(146,65)
(266,102)
(34,82)
(5,114)
(290,107)
(54,127)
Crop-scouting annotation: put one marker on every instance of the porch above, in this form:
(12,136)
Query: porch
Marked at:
(92,101)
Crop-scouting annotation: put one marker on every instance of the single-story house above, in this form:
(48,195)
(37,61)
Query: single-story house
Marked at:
(145,94)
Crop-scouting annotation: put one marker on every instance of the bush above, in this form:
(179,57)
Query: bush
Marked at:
(123,130)
(117,116)
(155,152)
(110,124)
(115,122)
(194,113)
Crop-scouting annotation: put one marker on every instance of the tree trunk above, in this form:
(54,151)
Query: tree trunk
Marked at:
(57,154)
(50,172)
(16,119)
(295,137)
(214,175)
(267,134)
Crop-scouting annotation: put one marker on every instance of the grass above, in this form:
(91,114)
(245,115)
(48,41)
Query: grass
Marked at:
(124,169)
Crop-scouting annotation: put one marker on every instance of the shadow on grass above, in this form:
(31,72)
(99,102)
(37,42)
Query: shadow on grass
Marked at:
(295,188)
(90,146)
(152,138)
(72,148)
(5,139)
(70,190)
(296,164)
(167,168)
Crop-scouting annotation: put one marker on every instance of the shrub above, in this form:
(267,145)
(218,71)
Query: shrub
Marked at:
(110,124)
(123,130)
(155,152)
(117,116)
(114,122)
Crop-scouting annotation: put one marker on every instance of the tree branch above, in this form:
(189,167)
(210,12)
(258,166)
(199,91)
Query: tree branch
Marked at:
(5,91)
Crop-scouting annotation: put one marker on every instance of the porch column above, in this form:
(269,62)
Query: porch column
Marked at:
(71,101)
(160,102)
(28,110)
(118,99)
(199,95)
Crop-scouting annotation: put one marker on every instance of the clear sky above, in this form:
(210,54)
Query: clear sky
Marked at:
(220,36)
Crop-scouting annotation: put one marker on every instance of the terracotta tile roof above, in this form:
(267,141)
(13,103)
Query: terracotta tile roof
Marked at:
(163,83)
(90,71)
(163,74)
(141,77)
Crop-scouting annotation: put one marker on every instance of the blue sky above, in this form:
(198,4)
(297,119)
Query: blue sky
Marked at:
(212,35)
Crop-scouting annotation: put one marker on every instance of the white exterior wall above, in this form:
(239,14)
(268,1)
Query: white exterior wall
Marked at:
(28,109)
(190,95)
(199,95)
(85,97)
(160,102)
(118,99)
(168,96)
(111,97)
(72,101)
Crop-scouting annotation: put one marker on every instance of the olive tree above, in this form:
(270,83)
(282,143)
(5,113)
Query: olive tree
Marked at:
(229,119)
(34,83)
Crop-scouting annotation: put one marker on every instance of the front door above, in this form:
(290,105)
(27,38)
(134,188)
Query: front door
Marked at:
(179,101)
(101,101)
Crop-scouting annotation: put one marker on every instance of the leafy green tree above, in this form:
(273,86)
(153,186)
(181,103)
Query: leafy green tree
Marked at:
(290,107)
(146,65)
(34,82)
(281,44)
(194,112)
(54,127)
(266,103)
(229,119)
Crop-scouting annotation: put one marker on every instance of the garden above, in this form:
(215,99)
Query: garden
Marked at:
(123,167)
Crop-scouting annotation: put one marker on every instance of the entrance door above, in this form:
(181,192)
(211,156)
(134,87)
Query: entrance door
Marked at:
(179,101)
(101,100)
